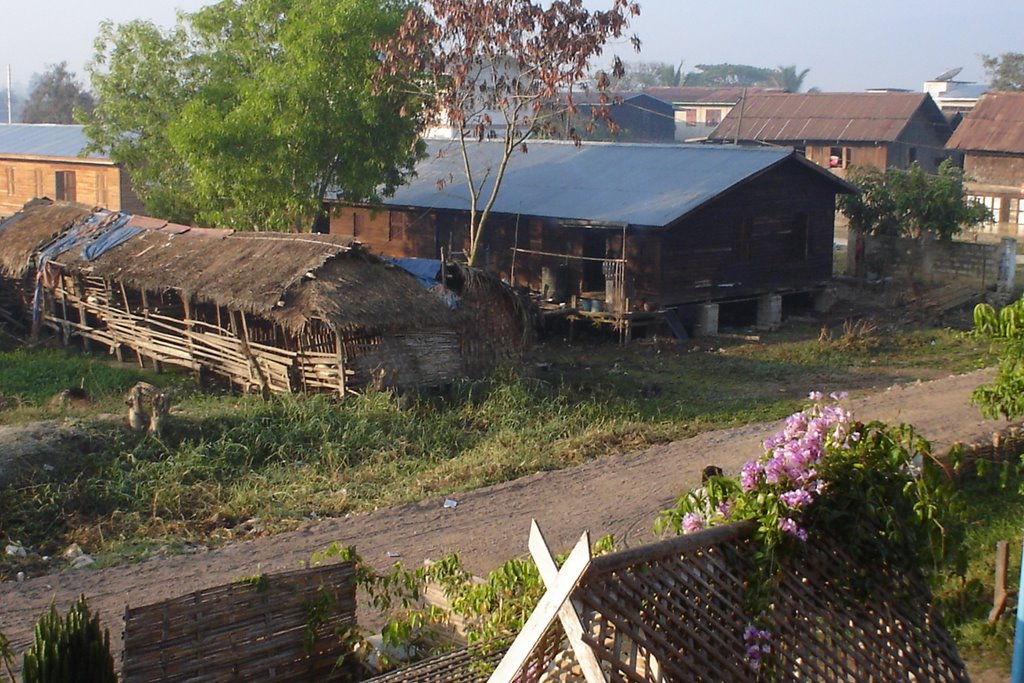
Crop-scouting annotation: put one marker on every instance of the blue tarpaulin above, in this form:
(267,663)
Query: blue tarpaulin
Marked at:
(100,232)
(425,269)
(108,240)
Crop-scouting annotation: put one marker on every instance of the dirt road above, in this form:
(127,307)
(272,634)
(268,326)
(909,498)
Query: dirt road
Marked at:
(617,495)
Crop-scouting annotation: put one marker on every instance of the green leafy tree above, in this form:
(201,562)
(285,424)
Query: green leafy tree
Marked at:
(911,203)
(724,75)
(246,113)
(1005,71)
(55,97)
(788,79)
(640,75)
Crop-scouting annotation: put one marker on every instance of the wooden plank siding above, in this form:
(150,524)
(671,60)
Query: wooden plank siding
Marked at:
(95,183)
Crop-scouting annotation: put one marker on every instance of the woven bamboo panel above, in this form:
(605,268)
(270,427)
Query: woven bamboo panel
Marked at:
(244,631)
(674,611)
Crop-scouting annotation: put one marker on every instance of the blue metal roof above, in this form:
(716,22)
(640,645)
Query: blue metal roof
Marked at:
(964,91)
(44,140)
(637,184)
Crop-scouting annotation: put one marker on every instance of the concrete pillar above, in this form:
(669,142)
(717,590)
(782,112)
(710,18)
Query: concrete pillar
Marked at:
(1007,265)
(769,311)
(707,320)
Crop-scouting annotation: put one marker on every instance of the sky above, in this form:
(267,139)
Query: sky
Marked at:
(848,46)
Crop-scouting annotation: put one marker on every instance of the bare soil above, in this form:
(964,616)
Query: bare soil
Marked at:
(619,495)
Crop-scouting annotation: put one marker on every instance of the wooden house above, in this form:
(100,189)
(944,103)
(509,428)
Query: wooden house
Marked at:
(991,138)
(699,109)
(271,312)
(625,227)
(48,160)
(839,130)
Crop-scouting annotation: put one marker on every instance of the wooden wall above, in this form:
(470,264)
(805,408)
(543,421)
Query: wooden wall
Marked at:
(773,233)
(863,154)
(96,184)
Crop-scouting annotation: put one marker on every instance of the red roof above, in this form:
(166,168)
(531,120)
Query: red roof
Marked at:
(996,124)
(693,94)
(833,117)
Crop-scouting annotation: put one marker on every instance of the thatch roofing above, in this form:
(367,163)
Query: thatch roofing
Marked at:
(287,277)
(27,231)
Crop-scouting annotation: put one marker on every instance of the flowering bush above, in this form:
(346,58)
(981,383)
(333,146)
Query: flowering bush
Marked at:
(823,475)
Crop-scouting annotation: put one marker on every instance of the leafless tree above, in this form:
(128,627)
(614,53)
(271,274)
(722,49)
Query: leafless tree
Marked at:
(501,69)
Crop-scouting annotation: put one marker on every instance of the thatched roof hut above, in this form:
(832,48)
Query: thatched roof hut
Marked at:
(29,230)
(277,311)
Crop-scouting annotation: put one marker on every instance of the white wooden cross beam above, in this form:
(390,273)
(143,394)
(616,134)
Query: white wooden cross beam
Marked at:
(555,602)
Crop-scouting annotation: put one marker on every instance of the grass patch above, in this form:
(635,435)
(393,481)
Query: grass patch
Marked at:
(230,467)
(995,508)
(31,378)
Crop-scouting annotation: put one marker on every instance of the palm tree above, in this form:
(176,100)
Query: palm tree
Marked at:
(787,79)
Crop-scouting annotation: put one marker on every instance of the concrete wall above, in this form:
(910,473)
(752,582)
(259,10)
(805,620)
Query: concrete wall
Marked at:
(937,261)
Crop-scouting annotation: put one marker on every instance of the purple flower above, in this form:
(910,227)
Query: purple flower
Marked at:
(750,476)
(797,498)
(692,522)
(790,527)
(725,508)
(838,395)
(815,396)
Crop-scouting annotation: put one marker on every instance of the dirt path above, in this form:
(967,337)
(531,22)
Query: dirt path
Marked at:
(617,495)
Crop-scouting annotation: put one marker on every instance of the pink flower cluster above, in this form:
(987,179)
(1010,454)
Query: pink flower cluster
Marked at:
(792,455)
(789,467)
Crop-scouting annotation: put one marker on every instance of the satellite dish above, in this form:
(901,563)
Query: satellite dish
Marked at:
(949,75)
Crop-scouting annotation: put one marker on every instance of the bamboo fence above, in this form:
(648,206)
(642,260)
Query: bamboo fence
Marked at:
(674,611)
(260,630)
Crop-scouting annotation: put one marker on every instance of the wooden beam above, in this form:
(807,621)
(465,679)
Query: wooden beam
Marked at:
(545,613)
(568,613)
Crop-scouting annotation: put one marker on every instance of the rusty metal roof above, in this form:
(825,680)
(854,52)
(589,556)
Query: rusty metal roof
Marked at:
(695,94)
(996,124)
(829,117)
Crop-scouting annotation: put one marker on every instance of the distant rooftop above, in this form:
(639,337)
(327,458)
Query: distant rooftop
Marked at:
(996,124)
(45,140)
(964,91)
(840,117)
(695,94)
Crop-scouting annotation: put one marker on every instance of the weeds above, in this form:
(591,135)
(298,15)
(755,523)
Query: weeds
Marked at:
(231,467)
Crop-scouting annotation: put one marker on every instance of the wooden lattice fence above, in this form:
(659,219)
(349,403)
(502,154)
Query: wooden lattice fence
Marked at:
(674,611)
(281,627)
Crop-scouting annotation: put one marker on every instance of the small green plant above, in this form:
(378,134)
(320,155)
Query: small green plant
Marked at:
(491,610)
(7,657)
(1003,397)
(69,650)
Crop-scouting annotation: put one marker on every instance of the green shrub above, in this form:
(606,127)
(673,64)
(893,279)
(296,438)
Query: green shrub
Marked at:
(70,650)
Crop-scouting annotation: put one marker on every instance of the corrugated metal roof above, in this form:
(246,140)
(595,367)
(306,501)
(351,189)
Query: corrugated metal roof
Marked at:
(44,140)
(964,91)
(839,117)
(695,94)
(996,124)
(606,183)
